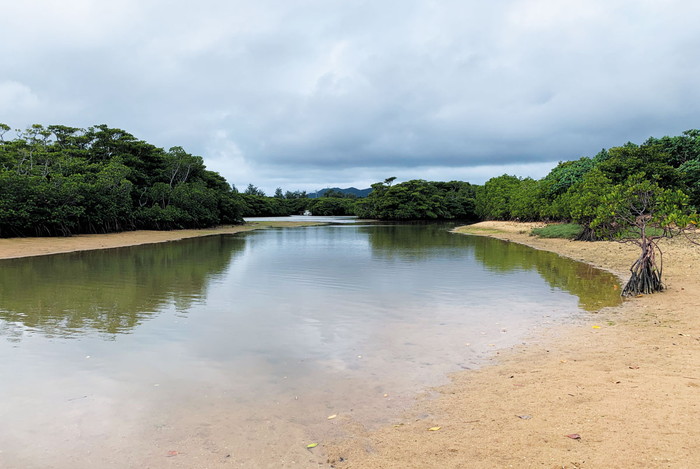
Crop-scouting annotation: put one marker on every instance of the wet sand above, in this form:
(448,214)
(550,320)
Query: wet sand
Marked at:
(627,380)
(25,247)
(619,390)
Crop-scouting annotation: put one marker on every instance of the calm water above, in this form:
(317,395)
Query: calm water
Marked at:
(233,350)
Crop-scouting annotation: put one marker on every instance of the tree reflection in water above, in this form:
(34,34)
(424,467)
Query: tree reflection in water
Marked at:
(108,291)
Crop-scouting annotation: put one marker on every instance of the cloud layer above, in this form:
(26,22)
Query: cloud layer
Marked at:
(332,92)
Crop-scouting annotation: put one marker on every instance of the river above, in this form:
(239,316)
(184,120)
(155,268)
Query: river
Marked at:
(235,350)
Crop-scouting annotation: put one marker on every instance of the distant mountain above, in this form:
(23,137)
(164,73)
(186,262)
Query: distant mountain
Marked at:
(349,190)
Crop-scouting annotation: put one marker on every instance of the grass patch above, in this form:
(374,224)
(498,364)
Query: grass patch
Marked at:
(558,230)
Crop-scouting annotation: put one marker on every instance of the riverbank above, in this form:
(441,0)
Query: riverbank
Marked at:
(620,389)
(626,380)
(26,247)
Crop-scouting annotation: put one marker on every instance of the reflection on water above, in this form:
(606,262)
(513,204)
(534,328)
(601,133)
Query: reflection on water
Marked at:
(594,288)
(109,291)
(270,331)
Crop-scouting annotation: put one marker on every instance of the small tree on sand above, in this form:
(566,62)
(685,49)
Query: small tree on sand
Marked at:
(639,211)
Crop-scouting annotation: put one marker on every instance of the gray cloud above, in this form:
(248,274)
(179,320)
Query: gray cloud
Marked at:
(272,92)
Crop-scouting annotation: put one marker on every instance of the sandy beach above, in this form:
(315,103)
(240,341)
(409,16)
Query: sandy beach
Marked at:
(25,247)
(618,389)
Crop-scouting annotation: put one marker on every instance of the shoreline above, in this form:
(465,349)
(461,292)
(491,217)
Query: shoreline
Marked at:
(625,380)
(13,248)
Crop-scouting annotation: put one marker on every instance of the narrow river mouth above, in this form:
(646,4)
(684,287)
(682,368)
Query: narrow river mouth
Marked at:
(237,349)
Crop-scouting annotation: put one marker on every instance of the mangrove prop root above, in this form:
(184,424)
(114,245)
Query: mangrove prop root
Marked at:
(587,234)
(646,277)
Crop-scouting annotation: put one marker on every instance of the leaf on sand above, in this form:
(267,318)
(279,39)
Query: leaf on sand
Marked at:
(573,436)
(331,417)
(525,417)
(311,445)
(596,327)
(434,429)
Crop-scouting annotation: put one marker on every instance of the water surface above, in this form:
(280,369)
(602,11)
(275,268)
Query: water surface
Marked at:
(234,349)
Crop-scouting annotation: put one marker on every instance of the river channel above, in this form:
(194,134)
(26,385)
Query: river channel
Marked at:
(234,350)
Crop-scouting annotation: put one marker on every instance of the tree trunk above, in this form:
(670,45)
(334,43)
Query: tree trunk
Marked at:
(646,276)
(587,234)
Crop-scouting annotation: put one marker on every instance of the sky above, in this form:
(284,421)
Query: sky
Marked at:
(307,94)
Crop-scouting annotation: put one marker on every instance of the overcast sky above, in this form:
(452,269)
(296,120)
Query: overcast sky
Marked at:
(305,94)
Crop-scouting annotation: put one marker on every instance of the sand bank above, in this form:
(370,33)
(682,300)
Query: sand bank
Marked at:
(623,384)
(25,247)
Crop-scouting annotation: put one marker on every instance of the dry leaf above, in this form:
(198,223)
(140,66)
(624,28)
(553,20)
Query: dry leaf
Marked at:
(573,436)
(331,417)
(434,429)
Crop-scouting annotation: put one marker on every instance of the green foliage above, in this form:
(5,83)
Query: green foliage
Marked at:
(640,211)
(526,202)
(494,197)
(60,180)
(559,230)
(631,208)
(261,206)
(680,149)
(295,195)
(580,202)
(574,191)
(338,194)
(690,178)
(565,175)
(512,198)
(418,200)
(331,206)
(252,190)
(631,159)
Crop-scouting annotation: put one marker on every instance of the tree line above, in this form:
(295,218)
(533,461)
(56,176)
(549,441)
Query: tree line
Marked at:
(332,203)
(60,180)
(411,200)
(573,189)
